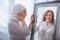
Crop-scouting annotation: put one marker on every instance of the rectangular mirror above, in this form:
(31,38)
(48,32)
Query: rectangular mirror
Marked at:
(47,15)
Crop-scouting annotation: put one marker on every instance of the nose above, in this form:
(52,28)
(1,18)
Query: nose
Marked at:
(48,17)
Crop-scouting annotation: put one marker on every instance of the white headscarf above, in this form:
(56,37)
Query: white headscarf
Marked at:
(17,8)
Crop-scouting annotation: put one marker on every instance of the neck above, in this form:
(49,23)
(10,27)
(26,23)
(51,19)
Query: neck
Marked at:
(47,23)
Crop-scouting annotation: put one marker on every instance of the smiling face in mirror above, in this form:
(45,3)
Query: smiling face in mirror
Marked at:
(48,16)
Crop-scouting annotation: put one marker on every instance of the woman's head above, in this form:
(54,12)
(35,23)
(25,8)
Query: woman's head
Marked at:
(19,10)
(48,16)
(22,13)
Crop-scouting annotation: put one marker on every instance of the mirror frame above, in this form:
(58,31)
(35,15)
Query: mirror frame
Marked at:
(52,3)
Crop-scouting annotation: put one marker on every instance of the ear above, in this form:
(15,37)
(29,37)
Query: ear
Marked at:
(21,14)
(16,15)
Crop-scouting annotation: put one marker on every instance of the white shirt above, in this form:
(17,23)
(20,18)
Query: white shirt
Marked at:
(45,32)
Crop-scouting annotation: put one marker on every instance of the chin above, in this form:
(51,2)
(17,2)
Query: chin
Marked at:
(48,20)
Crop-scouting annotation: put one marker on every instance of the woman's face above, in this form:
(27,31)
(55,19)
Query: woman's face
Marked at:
(23,13)
(48,17)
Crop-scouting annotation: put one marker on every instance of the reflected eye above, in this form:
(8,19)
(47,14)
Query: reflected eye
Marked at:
(49,15)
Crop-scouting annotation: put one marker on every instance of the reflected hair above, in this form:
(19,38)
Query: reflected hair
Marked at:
(45,13)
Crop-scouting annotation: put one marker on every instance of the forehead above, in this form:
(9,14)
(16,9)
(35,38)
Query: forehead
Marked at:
(24,10)
(49,13)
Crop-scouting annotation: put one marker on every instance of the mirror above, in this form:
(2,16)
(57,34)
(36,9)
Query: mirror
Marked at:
(47,14)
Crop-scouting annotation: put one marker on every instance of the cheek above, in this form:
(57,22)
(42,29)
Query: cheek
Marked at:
(50,17)
(19,14)
(46,17)
(22,14)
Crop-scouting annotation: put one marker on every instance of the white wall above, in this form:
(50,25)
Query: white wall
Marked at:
(38,1)
(4,35)
(3,12)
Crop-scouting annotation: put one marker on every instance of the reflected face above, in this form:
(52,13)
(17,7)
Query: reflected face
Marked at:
(48,17)
(23,13)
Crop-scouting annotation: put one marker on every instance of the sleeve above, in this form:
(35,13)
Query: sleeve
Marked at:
(15,29)
(26,30)
(37,27)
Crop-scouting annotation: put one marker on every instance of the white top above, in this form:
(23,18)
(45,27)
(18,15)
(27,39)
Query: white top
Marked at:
(45,32)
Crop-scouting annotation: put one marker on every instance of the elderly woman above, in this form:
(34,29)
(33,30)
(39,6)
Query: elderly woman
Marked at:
(17,26)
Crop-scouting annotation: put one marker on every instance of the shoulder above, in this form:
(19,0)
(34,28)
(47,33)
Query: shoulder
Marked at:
(40,25)
(12,23)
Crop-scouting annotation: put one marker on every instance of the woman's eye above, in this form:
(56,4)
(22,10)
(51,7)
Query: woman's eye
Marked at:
(46,15)
(49,15)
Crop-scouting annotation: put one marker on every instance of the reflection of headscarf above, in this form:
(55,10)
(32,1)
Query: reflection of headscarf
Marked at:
(17,8)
